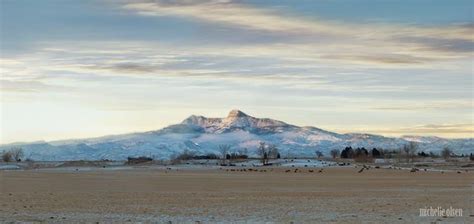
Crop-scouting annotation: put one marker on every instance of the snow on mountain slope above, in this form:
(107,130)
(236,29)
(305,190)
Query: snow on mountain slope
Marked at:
(237,120)
(203,135)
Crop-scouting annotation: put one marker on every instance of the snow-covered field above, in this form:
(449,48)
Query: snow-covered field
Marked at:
(9,167)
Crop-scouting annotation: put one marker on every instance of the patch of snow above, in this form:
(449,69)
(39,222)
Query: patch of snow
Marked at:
(306,163)
(9,167)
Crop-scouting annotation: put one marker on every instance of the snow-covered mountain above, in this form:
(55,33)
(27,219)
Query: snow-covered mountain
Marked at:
(203,135)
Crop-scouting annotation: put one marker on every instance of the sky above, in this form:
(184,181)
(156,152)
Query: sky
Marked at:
(76,69)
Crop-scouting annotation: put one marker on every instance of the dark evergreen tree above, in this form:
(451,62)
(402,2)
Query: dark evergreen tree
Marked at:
(423,154)
(361,152)
(376,153)
(347,153)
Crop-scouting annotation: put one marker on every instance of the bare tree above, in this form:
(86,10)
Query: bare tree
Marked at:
(224,150)
(446,153)
(273,151)
(319,154)
(17,153)
(7,156)
(335,153)
(410,150)
(185,155)
(243,152)
(263,152)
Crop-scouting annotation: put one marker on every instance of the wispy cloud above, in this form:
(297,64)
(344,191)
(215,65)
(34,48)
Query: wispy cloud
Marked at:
(24,86)
(466,130)
(332,71)
(436,129)
(433,106)
(261,65)
(372,43)
(233,13)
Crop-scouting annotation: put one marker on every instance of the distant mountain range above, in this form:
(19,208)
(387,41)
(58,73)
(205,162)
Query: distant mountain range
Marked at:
(203,135)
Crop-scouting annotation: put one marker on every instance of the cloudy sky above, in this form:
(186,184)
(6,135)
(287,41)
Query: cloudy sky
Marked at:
(73,69)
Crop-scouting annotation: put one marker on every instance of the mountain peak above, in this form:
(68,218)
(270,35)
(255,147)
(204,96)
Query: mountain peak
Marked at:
(236,113)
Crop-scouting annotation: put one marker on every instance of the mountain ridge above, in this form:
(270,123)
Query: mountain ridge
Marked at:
(240,130)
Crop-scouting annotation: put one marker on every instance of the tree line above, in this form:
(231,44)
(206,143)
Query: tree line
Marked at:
(408,151)
(266,152)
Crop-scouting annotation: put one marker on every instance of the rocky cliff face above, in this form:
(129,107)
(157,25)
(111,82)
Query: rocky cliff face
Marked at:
(236,120)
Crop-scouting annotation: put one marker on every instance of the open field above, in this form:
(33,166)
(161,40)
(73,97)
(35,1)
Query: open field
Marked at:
(144,194)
